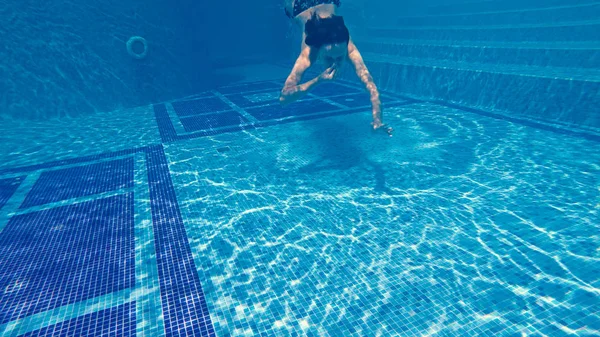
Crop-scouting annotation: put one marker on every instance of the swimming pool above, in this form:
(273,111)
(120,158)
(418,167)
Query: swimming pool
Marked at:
(310,224)
(223,214)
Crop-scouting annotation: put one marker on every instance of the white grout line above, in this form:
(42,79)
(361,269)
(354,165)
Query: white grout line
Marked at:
(325,99)
(210,94)
(67,312)
(234,106)
(12,205)
(71,201)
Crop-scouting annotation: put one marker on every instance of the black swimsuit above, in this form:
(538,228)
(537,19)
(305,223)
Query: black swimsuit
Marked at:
(302,5)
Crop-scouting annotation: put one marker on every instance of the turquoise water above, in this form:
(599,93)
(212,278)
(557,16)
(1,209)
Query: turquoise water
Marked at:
(462,223)
(458,225)
(184,211)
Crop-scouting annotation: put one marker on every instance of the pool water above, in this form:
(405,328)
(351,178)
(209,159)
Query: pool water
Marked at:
(225,214)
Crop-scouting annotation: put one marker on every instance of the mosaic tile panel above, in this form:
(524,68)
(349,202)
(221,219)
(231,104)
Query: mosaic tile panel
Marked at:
(66,254)
(199,106)
(118,321)
(80,181)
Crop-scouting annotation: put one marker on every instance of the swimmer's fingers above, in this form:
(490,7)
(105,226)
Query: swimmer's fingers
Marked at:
(334,73)
(328,74)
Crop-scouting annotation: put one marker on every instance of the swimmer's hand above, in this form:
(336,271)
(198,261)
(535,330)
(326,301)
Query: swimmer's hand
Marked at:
(379,126)
(329,74)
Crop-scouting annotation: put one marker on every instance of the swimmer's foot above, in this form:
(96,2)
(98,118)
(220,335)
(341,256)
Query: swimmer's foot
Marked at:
(378,127)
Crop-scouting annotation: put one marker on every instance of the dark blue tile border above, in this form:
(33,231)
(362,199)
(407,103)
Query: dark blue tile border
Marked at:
(184,306)
(165,125)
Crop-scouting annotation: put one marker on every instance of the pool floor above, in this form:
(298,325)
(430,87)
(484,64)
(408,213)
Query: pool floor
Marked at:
(228,215)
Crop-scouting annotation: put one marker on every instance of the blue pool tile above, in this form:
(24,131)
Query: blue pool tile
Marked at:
(199,106)
(533,124)
(117,321)
(65,255)
(591,321)
(80,181)
(250,100)
(333,89)
(250,87)
(7,188)
(71,161)
(294,109)
(357,101)
(183,302)
(586,298)
(165,125)
(211,121)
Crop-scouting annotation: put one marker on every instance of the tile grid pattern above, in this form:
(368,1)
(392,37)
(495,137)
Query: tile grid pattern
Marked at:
(184,306)
(256,105)
(117,321)
(90,245)
(181,292)
(182,297)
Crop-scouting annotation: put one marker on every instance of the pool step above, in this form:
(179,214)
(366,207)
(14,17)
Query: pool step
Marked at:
(565,95)
(466,7)
(563,31)
(551,54)
(580,12)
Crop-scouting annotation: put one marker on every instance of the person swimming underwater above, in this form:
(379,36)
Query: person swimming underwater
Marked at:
(326,38)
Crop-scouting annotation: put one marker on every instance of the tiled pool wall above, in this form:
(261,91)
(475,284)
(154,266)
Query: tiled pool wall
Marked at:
(65,60)
(529,59)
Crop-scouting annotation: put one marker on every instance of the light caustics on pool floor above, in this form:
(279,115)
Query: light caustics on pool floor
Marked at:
(458,225)
(242,218)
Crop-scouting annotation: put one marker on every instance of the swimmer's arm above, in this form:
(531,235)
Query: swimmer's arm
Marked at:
(292,90)
(363,73)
